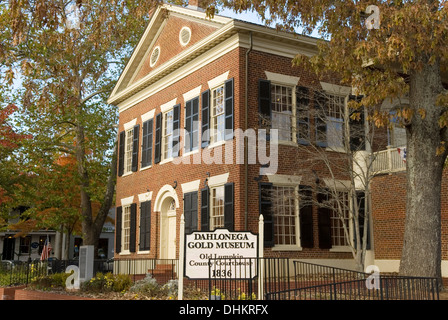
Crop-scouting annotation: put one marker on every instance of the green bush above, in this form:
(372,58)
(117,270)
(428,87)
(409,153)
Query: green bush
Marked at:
(52,281)
(107,282)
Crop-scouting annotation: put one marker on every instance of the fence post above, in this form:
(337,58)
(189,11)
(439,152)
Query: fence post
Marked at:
(180,287)
(260,257)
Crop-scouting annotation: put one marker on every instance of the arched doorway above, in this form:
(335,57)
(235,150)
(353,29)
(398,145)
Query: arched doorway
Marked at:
(168,229)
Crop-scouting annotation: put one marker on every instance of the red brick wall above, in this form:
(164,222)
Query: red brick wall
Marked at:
(389,210)
(168,40)
(42,295)
(8,293)
(153,179)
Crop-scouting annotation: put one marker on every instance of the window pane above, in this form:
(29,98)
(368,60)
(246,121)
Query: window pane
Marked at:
(284,200)
(282,111)
(217,208)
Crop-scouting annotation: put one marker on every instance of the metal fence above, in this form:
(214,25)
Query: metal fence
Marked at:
(14,273)
(239,279)
(389,288)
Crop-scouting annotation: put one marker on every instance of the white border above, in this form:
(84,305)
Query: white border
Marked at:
(183,44)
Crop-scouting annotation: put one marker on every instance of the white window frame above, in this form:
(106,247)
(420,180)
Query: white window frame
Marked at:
(214,225)
(297,245)
(216,135)
(167,145)
(292,116)
(126,229)
(129,145)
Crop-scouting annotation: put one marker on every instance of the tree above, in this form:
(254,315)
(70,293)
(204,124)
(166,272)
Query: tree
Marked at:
(406,56)
(11,176)
(67,56)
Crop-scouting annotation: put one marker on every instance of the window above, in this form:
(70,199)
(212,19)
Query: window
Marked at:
(330,110)
(154,56)
(217,208)
(167,138)
(340,219)
(334,218)
(285,214)
(288,215)
(128,151)
(218,114)
(25,244)
(184,36)
(282,111)
(285,108)
(128,148)
(147,143)
(126,228)
(167,134)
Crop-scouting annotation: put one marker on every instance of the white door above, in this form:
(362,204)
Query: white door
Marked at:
(168,234)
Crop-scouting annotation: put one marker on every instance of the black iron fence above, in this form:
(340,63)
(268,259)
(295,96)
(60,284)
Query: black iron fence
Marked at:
(388,288)
(13,273)
(250,279)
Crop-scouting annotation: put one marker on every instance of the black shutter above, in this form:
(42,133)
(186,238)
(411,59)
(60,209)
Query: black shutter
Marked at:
(191,212)
(121,153)
(267,212)
(135,147)
(194,135)
(133,228)
(188,126)
(158,140)
(306,217)
(320,103)
(176,130)
(229,206)
(264,103)
(118,216)
(147,143)
(357,129)
(205,130)
(229,104)
(205,216)
(145,226)
(361,199)
(303,115)
(324,221)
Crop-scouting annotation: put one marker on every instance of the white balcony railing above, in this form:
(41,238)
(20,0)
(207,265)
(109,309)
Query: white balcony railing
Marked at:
(389,160)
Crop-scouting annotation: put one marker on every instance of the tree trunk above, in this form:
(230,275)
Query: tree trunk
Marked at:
(92,226)
(421,255)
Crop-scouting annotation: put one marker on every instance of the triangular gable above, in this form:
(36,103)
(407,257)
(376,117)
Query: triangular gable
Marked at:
(163,31)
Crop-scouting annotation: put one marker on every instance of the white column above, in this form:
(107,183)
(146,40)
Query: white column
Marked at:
(260,257)
(180,286)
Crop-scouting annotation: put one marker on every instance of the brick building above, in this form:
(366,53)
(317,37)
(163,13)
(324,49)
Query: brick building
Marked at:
(191,87)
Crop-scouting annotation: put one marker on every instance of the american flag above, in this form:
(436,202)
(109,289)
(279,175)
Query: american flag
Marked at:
(402,153)
(46,250)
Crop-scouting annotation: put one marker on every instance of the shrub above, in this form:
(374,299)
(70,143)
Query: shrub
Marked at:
(52,281)
(147,286)
(107,282)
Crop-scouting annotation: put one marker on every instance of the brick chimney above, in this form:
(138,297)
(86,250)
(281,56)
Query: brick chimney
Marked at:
(197,4)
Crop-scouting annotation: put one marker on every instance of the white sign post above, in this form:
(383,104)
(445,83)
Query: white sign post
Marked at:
(201,246)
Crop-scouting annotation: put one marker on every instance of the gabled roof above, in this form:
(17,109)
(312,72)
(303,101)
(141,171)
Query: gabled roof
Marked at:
(134,79)
(155,26)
